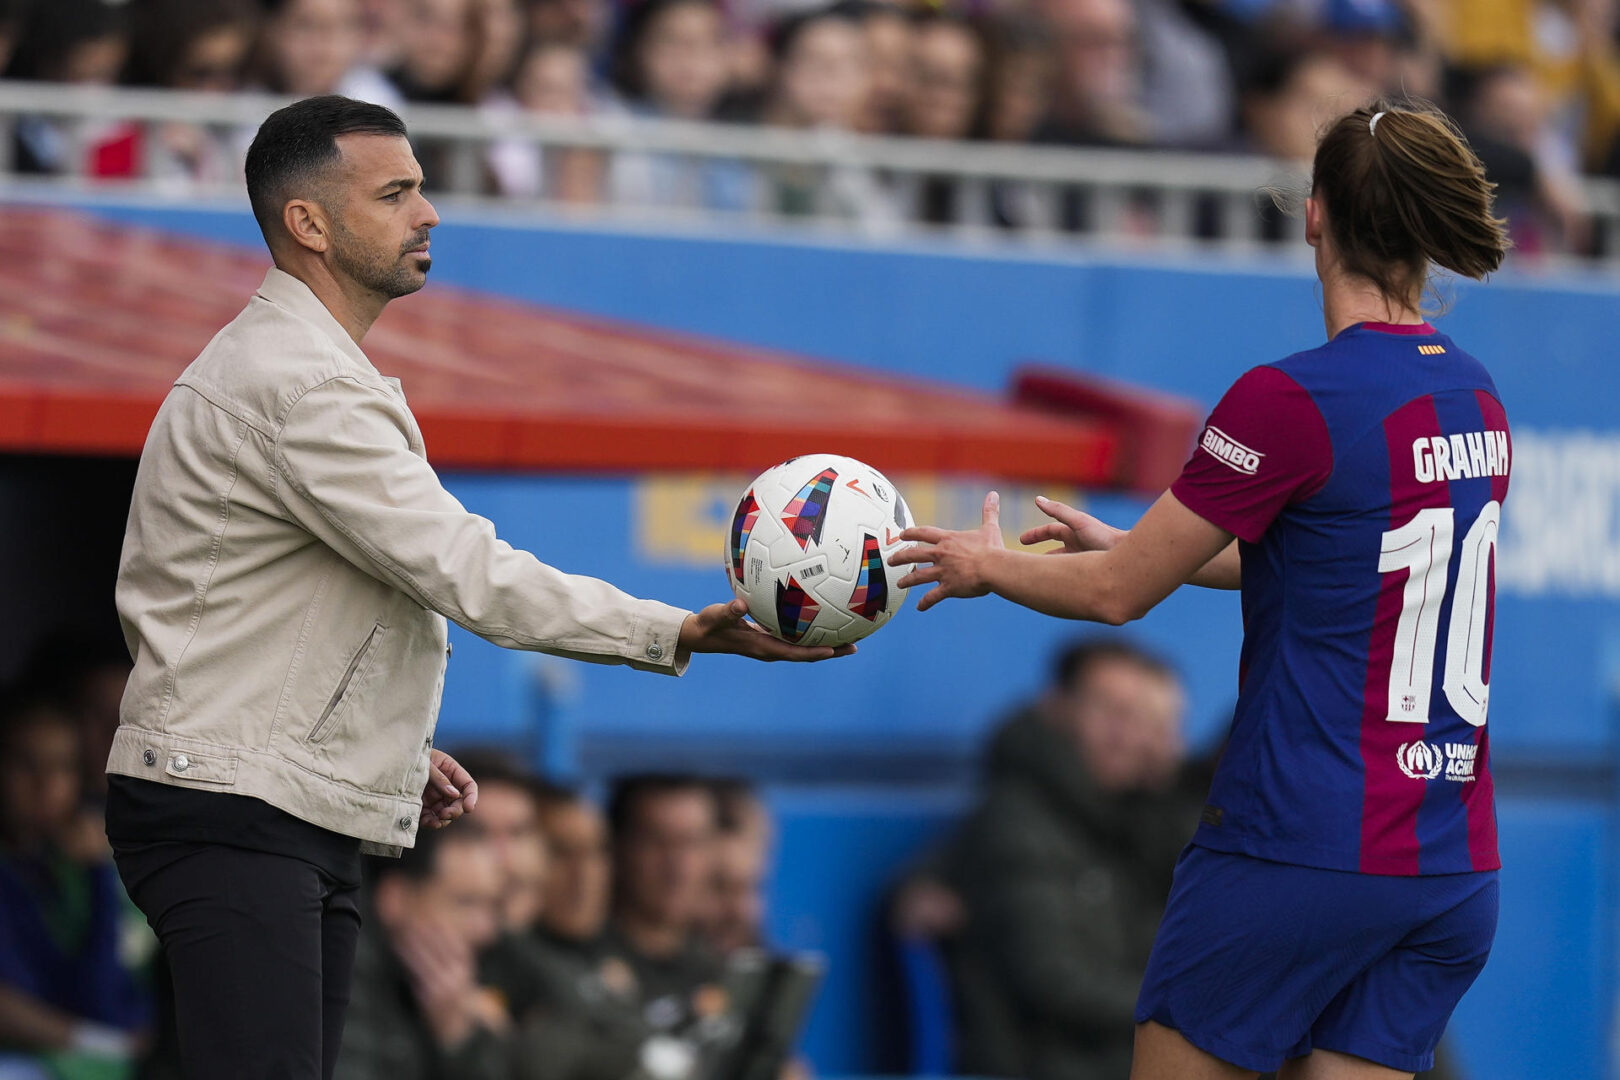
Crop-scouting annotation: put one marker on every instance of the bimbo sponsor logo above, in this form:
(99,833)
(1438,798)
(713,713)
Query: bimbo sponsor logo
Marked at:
(1223,448)
(1428,761)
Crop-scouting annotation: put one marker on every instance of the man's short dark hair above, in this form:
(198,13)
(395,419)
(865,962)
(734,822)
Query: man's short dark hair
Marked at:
(1072,663)
(297,143)
(629,791)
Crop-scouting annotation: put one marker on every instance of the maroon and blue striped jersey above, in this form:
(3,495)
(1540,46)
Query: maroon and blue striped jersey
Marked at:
(1364,481)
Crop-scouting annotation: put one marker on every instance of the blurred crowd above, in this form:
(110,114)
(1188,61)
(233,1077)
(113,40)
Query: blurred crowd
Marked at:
(1535,83)
(551,935)
(544,936)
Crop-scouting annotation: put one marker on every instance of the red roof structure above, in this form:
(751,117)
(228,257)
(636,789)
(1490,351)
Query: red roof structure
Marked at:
(98,318)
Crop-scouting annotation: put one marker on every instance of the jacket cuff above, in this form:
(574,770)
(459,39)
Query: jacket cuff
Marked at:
(655,641)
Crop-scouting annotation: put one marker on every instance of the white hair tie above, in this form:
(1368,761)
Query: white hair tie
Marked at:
(1372,125)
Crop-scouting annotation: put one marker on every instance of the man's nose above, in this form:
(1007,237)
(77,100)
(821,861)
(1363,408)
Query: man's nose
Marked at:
(429,217)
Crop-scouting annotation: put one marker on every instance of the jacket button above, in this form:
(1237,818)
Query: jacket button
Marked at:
(182,763)
(149,756)
(405,824)
(448,649)
(655,651)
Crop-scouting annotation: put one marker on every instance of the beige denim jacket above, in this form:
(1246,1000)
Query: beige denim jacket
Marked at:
(288,566)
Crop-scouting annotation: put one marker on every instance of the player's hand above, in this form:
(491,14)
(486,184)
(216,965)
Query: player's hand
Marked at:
(1076,529)
(449,793)
(721,628)
(958,558)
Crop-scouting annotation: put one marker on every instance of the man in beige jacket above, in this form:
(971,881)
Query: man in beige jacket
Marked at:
(288,568)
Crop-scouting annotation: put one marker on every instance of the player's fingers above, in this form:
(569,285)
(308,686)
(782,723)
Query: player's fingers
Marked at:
(928,534)
(932,597)
(1068,515)
(920,577)
(1042,533)
(1053,508)
(916,553)
(991,514)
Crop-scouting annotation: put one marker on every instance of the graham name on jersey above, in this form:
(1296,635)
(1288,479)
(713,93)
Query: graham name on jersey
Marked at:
(1459,457)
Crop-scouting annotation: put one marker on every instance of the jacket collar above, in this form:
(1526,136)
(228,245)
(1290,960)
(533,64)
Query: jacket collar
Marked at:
(287,292)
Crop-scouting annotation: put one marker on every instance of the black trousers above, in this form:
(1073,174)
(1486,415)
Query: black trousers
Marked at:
(260,950)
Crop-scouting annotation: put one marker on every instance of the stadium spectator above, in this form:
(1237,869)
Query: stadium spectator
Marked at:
(823,71)
(947,69)
(822,81)
(69,41)
(552,79)
(509,817)
(670,59)
(663,829)
(576,1007)
(1064,867)
(888,49)
(578,888)
(309,47)
(1503,110)
(416,1008)
(437,52)
(1186,82)
(189,45)
(497,45)
(586,24)
(735,915)
(11,12)
(381,33)
(84,673)
(1291,94)
(1098,99)
(943,102)
(1020,73)
(65,992)
(670,62)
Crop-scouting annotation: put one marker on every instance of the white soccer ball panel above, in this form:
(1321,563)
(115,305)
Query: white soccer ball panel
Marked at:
(808,549)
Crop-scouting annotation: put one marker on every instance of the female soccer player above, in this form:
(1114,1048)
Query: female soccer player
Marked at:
(1340,894)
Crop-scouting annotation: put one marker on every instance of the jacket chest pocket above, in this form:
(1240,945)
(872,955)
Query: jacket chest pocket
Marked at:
(353,677)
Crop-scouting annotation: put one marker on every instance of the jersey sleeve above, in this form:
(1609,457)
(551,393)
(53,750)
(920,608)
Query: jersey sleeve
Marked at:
(1265,447)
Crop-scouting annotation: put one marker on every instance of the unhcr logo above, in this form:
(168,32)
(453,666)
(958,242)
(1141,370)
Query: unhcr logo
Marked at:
(1420,760)
(1222,447)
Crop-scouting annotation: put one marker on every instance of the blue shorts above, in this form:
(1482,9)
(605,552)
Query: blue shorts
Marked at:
(1257,962)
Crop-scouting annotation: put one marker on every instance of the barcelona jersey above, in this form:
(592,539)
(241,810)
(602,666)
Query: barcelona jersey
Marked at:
(1364,481)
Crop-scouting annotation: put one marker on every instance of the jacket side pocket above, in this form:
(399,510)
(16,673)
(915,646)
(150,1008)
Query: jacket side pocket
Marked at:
(355,674)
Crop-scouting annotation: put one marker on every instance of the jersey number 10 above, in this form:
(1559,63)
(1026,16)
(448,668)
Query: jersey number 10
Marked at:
(1422,547)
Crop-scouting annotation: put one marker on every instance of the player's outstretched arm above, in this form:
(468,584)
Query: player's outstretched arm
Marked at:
(1165,549)
(721,628)
(1079,531)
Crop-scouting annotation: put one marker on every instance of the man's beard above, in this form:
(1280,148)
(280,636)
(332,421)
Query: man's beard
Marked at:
(390,276)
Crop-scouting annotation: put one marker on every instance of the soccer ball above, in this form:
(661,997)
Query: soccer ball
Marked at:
(808,545)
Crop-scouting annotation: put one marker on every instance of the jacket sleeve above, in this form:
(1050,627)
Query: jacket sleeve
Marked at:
(344,470)
(1054,942)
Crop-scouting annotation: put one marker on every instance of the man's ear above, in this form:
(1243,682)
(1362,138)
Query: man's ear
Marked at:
(308,224)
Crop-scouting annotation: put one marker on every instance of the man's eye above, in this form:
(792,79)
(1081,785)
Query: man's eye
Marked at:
(391,197)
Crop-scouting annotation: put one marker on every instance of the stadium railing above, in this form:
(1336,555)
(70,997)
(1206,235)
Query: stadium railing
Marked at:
(866,184)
